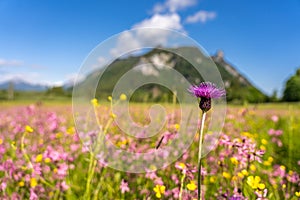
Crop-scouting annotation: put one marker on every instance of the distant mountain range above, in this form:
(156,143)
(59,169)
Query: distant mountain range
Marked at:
(22,85)
(147,65)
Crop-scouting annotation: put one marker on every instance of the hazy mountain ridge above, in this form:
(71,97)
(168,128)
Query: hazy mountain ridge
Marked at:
(148,65)
(22,85)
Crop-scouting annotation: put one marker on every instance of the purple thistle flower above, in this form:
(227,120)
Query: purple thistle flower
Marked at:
(206,91)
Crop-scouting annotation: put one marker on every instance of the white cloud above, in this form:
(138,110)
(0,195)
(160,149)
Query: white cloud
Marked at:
(101,61)
(152,31)
(158,8)
(167,21)
(72,78)
(173,5)
(6,63)
(201,16)
(68,81)
(18,63)
(148,33)
(125,43)
(157,36)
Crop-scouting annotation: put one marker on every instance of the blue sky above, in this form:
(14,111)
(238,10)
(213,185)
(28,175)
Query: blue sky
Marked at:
(47,41)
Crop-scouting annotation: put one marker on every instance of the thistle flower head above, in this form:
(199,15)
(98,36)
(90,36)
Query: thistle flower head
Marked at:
(206,91)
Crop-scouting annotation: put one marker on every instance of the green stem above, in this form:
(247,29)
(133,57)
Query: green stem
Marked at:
(56,194)
(88,182)
(99,185)
(181,186)
(24,151)
(93,161)
(200,152)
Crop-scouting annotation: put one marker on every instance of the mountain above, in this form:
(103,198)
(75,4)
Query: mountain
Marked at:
(157,62)
(238,87)
(21,85)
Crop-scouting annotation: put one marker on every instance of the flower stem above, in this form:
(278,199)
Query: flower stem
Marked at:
(200,152)
(96,193)
(24,151)
(181,186)
(89,177)
(93,153)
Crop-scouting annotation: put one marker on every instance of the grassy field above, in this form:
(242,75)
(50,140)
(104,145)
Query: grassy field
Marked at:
(42,157)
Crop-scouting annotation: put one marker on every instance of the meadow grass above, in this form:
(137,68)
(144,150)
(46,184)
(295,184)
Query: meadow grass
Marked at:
(42,157)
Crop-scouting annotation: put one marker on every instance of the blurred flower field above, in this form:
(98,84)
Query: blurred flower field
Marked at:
(42,157)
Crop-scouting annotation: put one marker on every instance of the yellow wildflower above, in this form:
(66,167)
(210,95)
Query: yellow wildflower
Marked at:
(39,158)
(191,186)
(234,178)
(226,175)
(47,160)
(181,165)
(264,141)
(122,143)
(112,115)
(270,159)
(13,145)
(123,97)
(153,167)
(109,98)
(244,172)
(28,129)
(261,186)
(50,194)
(262,147)
(59,135)
(159,190)
(33,182)
(241,175)
(94,101)
(252,167)
(267,163)
(254,182)
(21,184)
(212,179)
(237,140)
(234,160)
(177,126)
(1,141)
(71,130)
(297,194)
(247,134)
